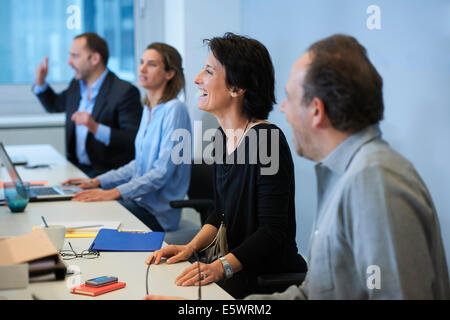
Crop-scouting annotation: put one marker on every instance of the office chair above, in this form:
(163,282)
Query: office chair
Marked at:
(201,191)
(279,282)
(201,195)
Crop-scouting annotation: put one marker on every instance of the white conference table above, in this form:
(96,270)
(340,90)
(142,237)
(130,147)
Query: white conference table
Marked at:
(129,267)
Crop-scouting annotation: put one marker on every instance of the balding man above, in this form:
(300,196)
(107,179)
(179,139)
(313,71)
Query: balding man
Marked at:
(376,233)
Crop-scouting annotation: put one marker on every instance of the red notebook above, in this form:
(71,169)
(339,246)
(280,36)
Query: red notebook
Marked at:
(92,291)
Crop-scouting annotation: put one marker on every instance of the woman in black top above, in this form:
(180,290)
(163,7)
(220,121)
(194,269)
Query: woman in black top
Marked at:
(253,226)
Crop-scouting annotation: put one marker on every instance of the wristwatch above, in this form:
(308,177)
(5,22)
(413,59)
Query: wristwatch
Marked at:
(227,269)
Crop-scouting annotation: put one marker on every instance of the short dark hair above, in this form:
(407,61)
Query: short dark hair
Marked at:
(96,44)
(248,66)
(350,87)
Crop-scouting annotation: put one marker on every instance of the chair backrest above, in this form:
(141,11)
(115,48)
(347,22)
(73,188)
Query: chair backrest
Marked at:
(201,186)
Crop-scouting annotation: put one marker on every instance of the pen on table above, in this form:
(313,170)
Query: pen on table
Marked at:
(37,166)
(88,226)
(45,222)
(132,231)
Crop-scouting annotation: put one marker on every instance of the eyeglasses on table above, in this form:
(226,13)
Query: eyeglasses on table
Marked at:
(71,254)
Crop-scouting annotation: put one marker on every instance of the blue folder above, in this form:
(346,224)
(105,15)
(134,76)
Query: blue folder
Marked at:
(113,240)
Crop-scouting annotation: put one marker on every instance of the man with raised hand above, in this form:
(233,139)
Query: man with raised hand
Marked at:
(102,111)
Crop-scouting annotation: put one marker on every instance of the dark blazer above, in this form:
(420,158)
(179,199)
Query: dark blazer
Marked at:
(117,106)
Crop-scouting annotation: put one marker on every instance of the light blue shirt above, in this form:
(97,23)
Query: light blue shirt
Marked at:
(81,132)
(152,179)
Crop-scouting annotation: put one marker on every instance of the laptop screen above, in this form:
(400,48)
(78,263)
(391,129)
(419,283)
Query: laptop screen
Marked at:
(8,164)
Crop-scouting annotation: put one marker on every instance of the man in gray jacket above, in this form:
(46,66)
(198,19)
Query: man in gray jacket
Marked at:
(376,234)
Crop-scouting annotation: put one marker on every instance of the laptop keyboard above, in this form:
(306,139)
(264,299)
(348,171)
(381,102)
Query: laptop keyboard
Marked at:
(43,192)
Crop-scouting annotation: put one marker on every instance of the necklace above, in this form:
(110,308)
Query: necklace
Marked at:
(243,134)
(240,139)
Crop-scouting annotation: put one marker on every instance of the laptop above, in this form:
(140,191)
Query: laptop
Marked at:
(37,193)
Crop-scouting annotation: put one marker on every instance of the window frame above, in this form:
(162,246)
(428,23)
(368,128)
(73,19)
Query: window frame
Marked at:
(148,15)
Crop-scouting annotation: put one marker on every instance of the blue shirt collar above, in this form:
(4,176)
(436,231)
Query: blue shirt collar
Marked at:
(157,107)
(339,159)
(96,86)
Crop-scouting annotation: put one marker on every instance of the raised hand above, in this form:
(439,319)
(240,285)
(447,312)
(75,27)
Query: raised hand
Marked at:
(41,72)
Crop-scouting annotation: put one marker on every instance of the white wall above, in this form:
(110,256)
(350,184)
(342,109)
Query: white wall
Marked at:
(186,24)
(54,136)
(204,20)
(411,51)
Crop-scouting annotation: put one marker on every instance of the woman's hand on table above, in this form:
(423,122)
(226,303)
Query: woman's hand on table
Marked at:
(97,195)
(83,183)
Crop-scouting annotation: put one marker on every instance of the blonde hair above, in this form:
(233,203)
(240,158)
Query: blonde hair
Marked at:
(172,62)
